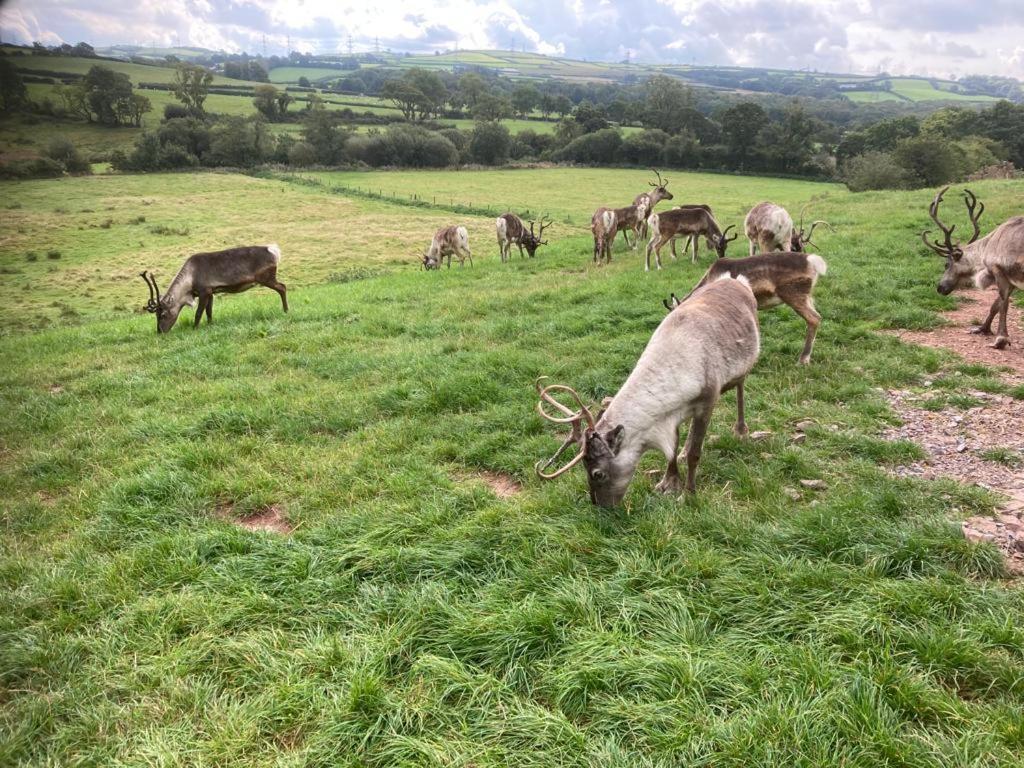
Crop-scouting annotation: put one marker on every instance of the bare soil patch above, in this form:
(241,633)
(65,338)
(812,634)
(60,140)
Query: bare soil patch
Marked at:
(955,337)
(269,518)
(962,445)
(503,486)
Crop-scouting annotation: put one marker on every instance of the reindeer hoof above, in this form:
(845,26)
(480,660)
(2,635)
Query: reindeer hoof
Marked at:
(805,360)
(1001,342)
(981,330)
(670,486)
(741,430)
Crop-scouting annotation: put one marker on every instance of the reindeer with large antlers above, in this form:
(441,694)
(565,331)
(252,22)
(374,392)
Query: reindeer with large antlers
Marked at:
(769,227)
(230,271)
(652,198)
(510,229)
(682,222)
(704,348)
(994,260)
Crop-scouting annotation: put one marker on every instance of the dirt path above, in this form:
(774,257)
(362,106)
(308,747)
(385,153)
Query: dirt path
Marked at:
(973,348)
(983,445)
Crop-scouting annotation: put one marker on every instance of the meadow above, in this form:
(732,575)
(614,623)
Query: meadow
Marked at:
(407,613)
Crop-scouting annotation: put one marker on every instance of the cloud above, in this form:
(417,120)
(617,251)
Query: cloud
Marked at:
(914,36)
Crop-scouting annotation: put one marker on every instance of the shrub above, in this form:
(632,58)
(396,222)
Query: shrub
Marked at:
(174,111)
(646,148)
(53,254)
(929,161)
(407,145)
(64,151)
(874,170)
(490,143)
(600,147)
(302,154)
(35,168)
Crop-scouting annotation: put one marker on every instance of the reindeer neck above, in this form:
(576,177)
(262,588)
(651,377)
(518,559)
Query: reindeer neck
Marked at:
(180,290)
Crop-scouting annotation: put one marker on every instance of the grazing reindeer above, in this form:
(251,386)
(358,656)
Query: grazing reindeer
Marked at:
(230,271)
(652,198)
(604,226)
(678,222)
(448,241)
(699,351)
(511,230)
(630,219)
(689,239)
(769,227)
(775,278)
(994,260)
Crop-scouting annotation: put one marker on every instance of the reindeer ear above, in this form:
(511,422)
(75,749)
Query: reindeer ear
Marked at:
(614,439)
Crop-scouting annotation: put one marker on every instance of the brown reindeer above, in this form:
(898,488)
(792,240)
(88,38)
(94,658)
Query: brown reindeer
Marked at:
(603,226)
(630,219)
(203,274)
(510,229)
(775,278)
(994,260)
(448,241)
(659,193)
(680,222)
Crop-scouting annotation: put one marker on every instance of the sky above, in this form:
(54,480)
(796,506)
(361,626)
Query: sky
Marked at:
(926,37)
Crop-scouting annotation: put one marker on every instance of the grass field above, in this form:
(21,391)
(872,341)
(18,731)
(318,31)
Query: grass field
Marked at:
(413,617)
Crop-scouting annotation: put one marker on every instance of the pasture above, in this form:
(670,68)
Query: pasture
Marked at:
(409,609)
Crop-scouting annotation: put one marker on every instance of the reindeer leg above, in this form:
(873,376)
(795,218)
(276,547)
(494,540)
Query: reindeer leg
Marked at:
(1005,289)
(200,308)
(741,423)
(803,305)
(694,444)
(671,483)
(696,242)
(985,329)
(209,309)
(751,243)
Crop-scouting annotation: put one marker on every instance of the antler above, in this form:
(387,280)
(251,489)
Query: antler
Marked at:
(933,212)
(807,238)
(543,224)
(660,182)
(154,293)
(971,201)
(576,418)
(726,231)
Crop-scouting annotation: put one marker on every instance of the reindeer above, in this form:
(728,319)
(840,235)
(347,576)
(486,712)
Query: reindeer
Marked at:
(511,230)
(448,241)
(652,198)
(994,260)
(704,348)
(604,226)
(630,219)
(775,278)
(769,227)
(679,222)
(230,271)
(689,239)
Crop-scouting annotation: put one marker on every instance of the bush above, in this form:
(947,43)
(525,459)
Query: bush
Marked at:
(64,151)
(174,111)
(874,170)
(35,168)
(683,151)
(600,147)
(490,143)
(301,154)
(406,145)
(929,161)
(646,148)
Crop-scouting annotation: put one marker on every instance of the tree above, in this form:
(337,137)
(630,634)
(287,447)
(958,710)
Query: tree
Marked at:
(929,161)
(13,92)
(266,101)
(546,105)
(403,95)
(563,105)
(524,99)
(471,88)
(108,95)
(304,82)
(418,93)
(191,86)
(740,125)
(283,100)
(490,144)
(137,106)
(590,117)
(322,133)
(666,102)
(874,170)
(490,108)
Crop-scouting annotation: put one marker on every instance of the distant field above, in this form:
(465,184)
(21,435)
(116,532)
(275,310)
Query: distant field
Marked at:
(139,73)
(291,75)
(913,89)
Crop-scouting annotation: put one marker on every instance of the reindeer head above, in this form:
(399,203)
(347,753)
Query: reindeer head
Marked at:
(958,274)
(660,189)
(429,261)
(533,241)
(800,239)
(721,242)
(597,447)
(165,316)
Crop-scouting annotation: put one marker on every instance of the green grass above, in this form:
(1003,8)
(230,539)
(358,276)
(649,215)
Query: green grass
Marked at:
(413,617)
(576,193)
(139,73)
